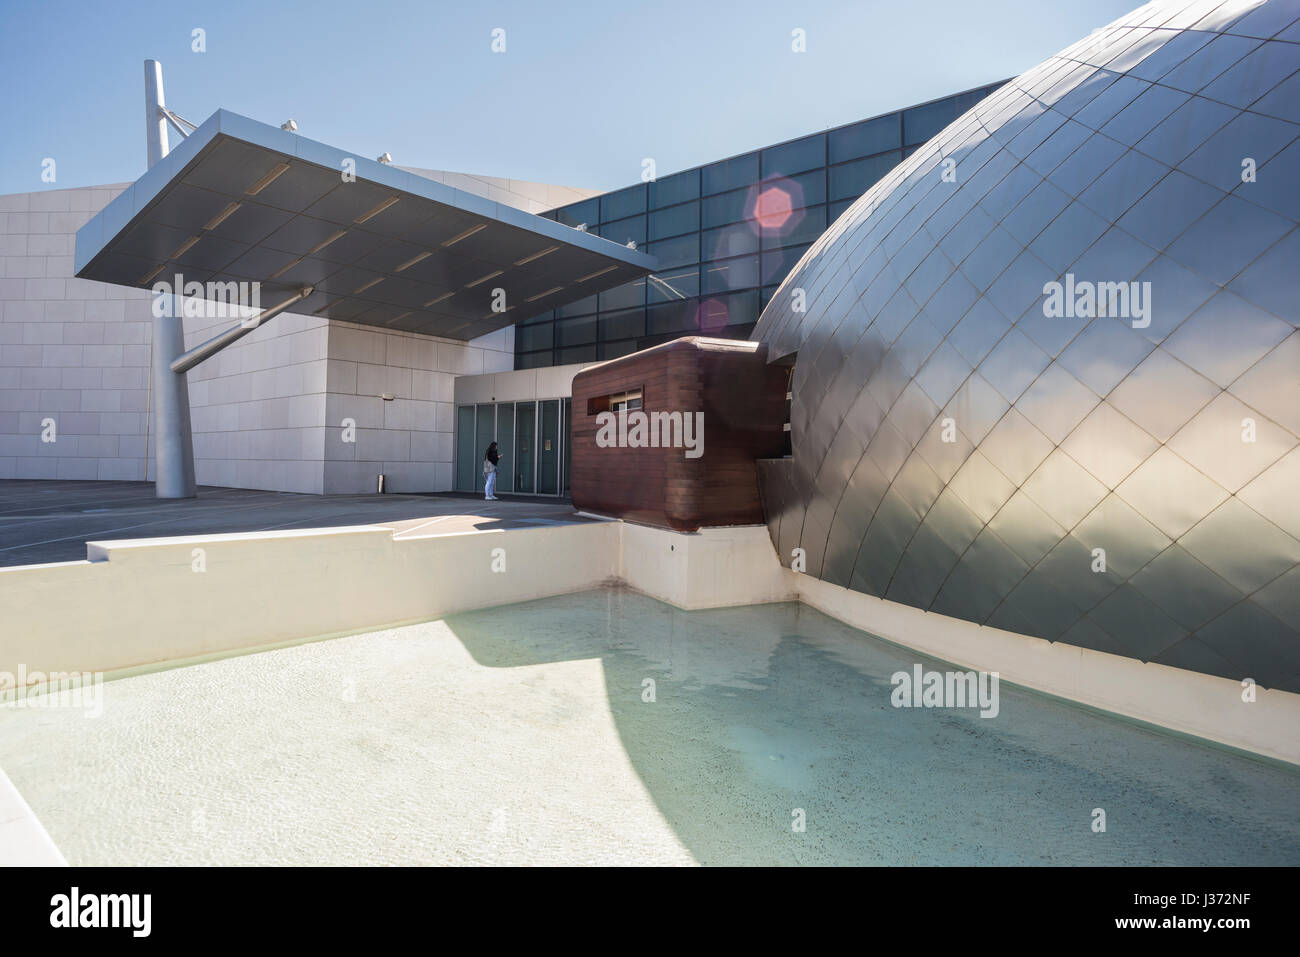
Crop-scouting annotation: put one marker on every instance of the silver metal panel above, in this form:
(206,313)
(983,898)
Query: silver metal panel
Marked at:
(1082,479)
(238,200)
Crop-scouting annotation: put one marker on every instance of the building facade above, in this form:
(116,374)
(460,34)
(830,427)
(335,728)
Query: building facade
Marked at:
(725,234)
(268,412)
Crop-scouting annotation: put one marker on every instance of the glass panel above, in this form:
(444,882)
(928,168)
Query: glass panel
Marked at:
(720,312)
(574,332)
(674,220)
(548,447)
(579,213)
(582,307)
(627,324)
(777,263)
(576,354)
(625,231)
(675,189)
(534,360)
(528,338)
(626,202)
(922,122)
(851,180)
(522,464)
(566,431)
(729,274)
(805,226)
(729,241)
(835,210)
(673,317)
(730,174)
(613,350)
(485,434)
(676,252)
(807,189)
(795,157)
(546,316)
(863,139)
(627,296)
(726,208)
(506,442)
(674,284)
(466,457)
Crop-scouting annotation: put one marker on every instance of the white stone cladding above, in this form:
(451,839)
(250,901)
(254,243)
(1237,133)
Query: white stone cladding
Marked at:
(267,411)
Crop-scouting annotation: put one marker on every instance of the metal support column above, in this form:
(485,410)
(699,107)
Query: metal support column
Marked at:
(173,441)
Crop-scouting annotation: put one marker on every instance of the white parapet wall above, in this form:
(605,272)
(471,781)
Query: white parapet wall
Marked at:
(153,603)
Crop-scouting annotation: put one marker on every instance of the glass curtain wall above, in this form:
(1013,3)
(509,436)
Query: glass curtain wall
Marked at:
(725,235)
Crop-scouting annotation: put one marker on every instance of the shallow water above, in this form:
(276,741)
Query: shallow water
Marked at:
(522,734)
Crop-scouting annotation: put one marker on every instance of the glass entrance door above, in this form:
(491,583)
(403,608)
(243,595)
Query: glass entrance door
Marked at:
(548,447)
(524,464)
(506,444)
(485,433)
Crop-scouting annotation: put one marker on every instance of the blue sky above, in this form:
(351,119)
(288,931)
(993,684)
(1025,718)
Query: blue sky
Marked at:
(582,93)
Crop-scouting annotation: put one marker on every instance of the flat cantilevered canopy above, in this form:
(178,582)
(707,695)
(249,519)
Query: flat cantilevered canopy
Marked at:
(240,201)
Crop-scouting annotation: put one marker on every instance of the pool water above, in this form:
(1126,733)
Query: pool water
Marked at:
(607,727)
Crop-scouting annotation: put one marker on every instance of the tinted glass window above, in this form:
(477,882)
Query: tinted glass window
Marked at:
(674,189)
(836,210)
(672,317)
(804,227)
(674,285)
(579,308)
(676,252)
(777,263)
(922,122)
(626,202)
(572,332)
(865,138)
(718,314)
(675,220)
(546,316)
(576,354)
(807,189)
(625,231)
(623,297)
(795,157)
(575,215)
(851,180)
(528,338)
(612,350)
(729,241)
(729,274)
(730,174)
(626,324)
(534,360)
(726,208)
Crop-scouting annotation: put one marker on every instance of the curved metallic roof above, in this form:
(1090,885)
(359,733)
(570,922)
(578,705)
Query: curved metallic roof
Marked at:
(960,447)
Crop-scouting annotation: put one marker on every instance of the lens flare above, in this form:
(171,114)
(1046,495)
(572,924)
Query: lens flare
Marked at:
(777,207)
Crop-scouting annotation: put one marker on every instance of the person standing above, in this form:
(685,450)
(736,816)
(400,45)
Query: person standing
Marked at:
(490,460)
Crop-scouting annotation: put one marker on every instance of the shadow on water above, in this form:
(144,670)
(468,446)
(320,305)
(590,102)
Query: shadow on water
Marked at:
(765,711)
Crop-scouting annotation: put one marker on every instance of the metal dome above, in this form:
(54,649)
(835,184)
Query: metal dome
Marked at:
(1110,461)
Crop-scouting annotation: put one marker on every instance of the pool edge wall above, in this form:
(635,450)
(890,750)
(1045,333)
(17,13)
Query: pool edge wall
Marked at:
(145,605)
